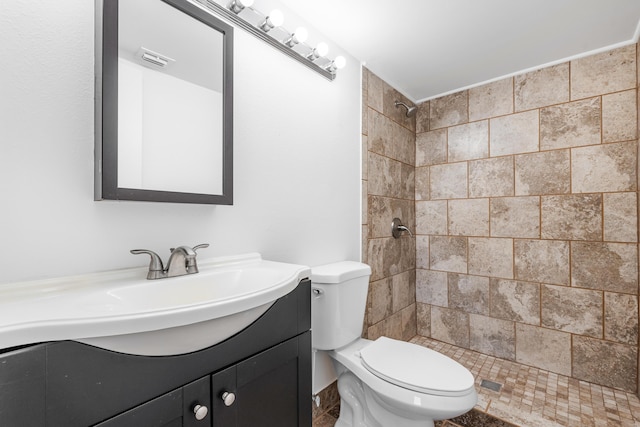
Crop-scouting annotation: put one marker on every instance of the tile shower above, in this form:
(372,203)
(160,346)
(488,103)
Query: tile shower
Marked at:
(522,194)
(389,155)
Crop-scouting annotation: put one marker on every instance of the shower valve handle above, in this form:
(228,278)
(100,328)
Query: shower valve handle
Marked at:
(397,228)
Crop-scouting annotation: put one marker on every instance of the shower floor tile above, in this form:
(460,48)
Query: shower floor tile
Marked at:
(530,397)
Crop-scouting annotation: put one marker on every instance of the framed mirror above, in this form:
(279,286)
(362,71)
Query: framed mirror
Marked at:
(164,103)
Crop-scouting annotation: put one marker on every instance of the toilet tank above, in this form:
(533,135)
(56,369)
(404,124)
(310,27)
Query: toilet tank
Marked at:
(338,302)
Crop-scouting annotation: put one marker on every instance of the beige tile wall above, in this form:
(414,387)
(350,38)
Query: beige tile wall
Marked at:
(389,148)
(525,213)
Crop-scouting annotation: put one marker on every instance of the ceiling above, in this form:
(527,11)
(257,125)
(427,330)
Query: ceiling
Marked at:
(194,47)
(428,48)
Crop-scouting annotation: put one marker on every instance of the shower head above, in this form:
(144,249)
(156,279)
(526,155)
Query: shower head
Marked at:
(411,111)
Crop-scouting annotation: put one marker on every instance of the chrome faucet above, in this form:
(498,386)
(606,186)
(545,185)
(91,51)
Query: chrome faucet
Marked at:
(182,261)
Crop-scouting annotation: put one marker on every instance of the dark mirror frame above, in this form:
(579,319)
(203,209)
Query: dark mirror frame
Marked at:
(106,150)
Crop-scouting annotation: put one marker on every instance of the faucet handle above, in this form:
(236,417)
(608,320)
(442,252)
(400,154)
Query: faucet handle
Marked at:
(195,248)
(156,268)
(192,265)
(404,228)
(397,228)
(200,246)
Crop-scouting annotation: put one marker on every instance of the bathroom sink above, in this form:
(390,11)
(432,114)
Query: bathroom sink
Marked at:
(122,311)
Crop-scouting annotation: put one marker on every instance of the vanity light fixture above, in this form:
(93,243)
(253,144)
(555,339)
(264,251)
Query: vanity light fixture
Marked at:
(237,6)
(299,36)
(274,19)
(269,29)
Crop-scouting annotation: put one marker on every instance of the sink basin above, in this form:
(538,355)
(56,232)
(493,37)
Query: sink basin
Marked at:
(122,311)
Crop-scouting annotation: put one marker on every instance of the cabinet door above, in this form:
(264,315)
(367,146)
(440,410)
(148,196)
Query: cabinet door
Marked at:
(196,403)
(174,409)
(163,411)
(268,389)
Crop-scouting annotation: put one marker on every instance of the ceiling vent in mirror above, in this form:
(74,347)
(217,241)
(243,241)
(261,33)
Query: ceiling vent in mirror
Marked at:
(150,57)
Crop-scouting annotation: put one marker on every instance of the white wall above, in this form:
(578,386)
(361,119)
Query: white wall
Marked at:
(297,158)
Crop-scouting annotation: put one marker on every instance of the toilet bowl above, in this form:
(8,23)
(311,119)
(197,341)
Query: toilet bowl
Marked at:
(386,382)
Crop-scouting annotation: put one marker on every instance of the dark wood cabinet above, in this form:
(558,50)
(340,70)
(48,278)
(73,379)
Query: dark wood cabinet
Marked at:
(265,388)
(265,371)
(22,387)
(173,409)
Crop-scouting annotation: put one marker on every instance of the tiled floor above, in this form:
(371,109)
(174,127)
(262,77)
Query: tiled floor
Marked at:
(532,397)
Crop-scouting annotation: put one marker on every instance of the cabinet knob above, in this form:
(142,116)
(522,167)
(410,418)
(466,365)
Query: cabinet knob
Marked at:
(200,412)
(228,398)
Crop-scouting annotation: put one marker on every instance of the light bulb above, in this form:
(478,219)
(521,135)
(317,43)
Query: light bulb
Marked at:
(337,63)
(301,34)
(237,6)
(276,17)
(322,49)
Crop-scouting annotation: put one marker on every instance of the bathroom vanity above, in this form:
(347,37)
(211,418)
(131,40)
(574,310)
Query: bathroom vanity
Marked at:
(260,376)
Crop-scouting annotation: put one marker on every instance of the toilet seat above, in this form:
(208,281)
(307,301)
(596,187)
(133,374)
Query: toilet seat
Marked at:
(416,368)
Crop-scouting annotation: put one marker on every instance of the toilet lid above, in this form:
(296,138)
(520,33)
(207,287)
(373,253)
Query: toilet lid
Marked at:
(416,368)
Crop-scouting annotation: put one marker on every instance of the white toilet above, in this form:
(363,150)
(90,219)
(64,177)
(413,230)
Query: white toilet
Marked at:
(382,383)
